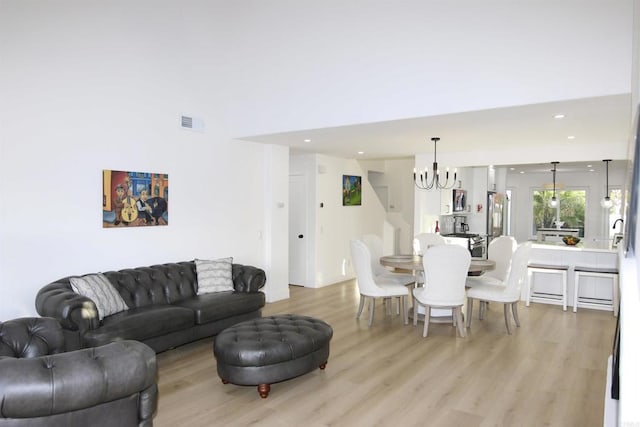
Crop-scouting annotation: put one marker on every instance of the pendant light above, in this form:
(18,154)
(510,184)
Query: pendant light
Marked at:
(606,202)
(554,200)
(420,178)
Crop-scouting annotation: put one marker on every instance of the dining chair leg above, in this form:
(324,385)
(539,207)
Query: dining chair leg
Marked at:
(404,302)
(415,312)
(427,316)
(469,311)
(399,309)
(361,306)
(460,322)
(372,310)
(506,318)
(482,310)
(514,310)
(389,303)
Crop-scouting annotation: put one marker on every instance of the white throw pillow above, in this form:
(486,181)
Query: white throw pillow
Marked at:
(99,289)
(214,275)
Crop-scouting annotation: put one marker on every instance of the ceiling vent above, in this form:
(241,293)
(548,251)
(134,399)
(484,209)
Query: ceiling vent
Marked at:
(192,123)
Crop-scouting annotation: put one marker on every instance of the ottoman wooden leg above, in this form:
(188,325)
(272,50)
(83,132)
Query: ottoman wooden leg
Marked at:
(264,389)
(324,365)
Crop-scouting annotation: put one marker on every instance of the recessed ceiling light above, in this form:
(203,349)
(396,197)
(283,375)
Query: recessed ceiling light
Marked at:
(521,171)
(512,169)
(589,166)
(559,116)
(360,152)
(592,170)
(571,137)
(307,140)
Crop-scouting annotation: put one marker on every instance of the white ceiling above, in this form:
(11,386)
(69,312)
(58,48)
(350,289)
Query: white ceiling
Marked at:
(598,120)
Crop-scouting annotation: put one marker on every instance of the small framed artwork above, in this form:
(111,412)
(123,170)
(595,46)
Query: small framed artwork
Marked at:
(134,199)
(459,200)
(351,190)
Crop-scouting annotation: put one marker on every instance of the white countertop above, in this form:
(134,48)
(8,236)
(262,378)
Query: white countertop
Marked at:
(583,246)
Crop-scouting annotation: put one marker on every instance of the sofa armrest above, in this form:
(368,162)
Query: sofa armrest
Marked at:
(247,278)
(31,337)
(74,311)
(80,379)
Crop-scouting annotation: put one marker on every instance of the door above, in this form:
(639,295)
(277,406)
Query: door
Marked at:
(298,251)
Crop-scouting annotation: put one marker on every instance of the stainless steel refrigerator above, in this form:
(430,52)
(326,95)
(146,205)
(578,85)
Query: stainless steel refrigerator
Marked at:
(496,210)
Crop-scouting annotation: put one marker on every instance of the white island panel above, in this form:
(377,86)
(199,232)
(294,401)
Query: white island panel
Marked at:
(593,254)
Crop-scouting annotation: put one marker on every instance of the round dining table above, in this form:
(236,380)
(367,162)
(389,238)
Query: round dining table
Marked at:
(414,263)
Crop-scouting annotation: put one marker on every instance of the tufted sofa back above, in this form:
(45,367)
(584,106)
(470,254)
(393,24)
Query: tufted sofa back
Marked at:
(31,337)
(157,284)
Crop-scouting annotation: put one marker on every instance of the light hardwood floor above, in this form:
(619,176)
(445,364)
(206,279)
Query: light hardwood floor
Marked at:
(551,371)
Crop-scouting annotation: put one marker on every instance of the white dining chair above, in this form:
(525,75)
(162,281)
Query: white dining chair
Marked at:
(421,243)
(445,269)
(373,288)
(500,251)
(509,293)
(424,241)
(375,245)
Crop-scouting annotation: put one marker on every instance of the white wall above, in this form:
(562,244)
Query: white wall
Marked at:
(344,62)
(629,411)
(276,214)
(333,225)
(337,224)
(92,86)
(396,176)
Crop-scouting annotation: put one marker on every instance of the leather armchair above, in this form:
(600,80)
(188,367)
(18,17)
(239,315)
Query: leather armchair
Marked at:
(42,385)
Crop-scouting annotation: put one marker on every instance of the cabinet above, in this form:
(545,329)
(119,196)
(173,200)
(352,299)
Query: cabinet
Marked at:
(446,202)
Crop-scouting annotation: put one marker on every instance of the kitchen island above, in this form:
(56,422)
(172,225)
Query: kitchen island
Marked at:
(555,234)
(595,292)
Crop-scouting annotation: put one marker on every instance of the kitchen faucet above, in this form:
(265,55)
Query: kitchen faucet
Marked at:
(616,222)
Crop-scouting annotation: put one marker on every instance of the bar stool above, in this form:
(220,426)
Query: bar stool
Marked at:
(549,269)
(607,273)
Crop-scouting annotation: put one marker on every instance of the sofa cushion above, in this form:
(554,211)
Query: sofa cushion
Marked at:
(98,289)
(220,305)
(214,275)
(140,324)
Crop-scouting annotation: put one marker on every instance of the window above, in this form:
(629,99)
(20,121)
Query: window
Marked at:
(615,212)
(569,212)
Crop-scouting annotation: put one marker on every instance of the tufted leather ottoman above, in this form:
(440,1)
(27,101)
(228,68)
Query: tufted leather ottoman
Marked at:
(271,349)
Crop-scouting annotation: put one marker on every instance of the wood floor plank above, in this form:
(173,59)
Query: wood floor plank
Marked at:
(551,371)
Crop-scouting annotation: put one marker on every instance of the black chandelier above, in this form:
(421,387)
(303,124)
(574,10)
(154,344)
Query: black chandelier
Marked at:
(421,178)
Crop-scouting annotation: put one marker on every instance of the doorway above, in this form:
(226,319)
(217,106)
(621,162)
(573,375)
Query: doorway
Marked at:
(298,230)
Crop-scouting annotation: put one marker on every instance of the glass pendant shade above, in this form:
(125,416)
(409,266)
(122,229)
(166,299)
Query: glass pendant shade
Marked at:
(553,202)
(606,202)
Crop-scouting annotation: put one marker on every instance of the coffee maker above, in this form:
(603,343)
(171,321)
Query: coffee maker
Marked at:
(460,225)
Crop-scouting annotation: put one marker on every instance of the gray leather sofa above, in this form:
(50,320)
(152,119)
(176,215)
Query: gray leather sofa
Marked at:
(42,385)
(164,311)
